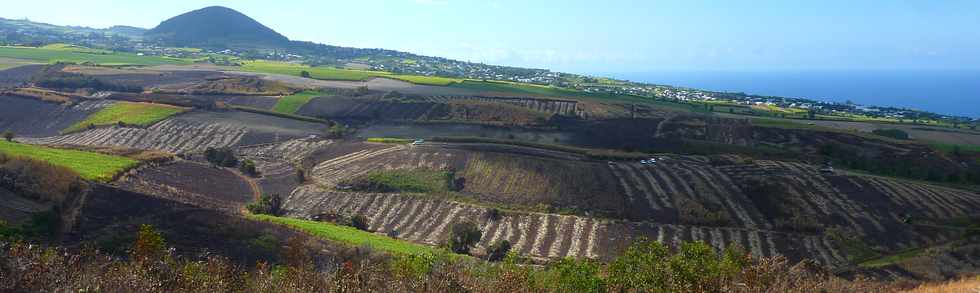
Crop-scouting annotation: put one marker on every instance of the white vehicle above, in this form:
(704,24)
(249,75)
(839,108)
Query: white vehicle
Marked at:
(418,141)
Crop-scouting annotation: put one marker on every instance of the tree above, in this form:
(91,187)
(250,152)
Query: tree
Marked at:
(149,244)
(359,222)
(463,236)
(267,205)
(8,135)
(498,251)
(304,73)
(300,175)
(336,131)
(248,167)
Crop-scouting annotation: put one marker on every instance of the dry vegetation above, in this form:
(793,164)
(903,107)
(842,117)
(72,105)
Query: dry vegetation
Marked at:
(648,267)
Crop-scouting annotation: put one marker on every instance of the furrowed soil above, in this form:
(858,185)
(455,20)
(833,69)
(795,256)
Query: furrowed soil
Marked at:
(34,118)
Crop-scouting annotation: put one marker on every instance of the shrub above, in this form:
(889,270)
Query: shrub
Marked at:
(8,135)
(463,236)
(267,205)
(248,167)
(498,251)
(892,133)
(359,222)
(337,131)
(38,180)
(224,157)
(304,73)
(149,244)
(300,175)
(570,275)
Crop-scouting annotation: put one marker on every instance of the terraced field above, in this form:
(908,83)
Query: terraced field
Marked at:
(139,114)
(30,117)
(192,183)
(681,198)
(173,135)
(277,163)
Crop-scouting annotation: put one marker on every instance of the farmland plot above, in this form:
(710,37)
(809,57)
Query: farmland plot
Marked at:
(191,183)
(276,163)
(29,117)
(547,236)
(193,132)
(172,135)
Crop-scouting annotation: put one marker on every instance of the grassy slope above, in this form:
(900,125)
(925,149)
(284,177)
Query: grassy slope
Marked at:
(91,166)
(330,73)
(291,104)
(418,180)
(349,235)
(131,113)
(80,55)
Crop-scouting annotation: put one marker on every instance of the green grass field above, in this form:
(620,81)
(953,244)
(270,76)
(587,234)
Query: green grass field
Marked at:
(326,73)
(415,181)
(427,80)
(349,235)
(51,54)
(141,114)
(390,140)
(291,104)
(88,165)
(331,73)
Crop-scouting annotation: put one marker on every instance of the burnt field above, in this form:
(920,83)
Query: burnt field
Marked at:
(494,111)
(36,118)
(109,218)
(17,76)
(193,183)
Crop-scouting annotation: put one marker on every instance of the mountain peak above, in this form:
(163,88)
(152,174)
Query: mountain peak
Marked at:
(215,26)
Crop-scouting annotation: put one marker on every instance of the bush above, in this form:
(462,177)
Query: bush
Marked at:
(892,133)
(570,275)
(300,175)
(267,205)
(224,157)
(463,236)
(248,167)
(498,251)
(8,135)
(149,244)
(38,180)
(337,131)
(359,222)
(304,73)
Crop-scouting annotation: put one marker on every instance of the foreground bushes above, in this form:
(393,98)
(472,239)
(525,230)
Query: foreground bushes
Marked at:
(645,267)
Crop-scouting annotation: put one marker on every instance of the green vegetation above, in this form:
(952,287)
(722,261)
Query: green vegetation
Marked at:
(415,181)
(350,235)
(390,140)
(88,165)
(128,113)
(598,154)
(277,114)
(463,236)
(892,259)
(319,72)
(266,205)
(892,133)
(291,104)
(73,54)
(332,73)
(963,149)
(427,80)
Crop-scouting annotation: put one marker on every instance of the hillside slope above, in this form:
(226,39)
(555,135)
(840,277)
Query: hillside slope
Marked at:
(215,26)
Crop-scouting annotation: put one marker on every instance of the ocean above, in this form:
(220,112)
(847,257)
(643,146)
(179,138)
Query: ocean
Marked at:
(951,92)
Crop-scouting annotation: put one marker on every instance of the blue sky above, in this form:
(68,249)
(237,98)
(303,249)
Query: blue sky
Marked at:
(599,36)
